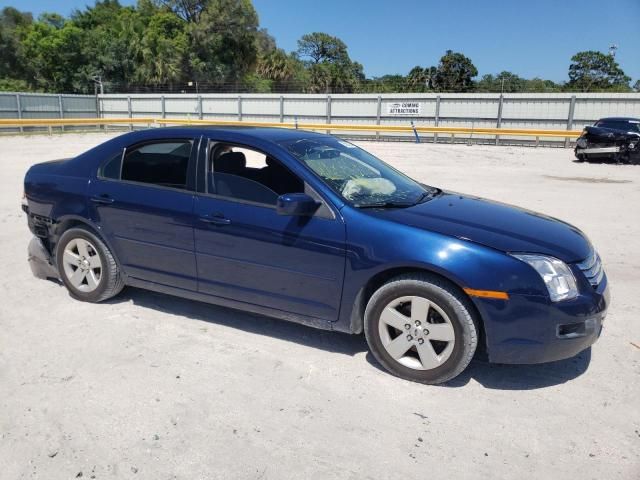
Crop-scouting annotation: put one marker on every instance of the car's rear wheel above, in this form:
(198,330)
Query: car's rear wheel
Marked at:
(87,266)
(421,328)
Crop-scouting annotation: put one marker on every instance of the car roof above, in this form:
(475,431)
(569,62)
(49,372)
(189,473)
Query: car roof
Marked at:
(269,134)
(85,162)
(619,119)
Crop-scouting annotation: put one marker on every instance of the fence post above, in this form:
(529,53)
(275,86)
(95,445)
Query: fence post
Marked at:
(239,108)
(415,132)
(378,115)
(99,112)
(499,120)
(98,127)
(163,108)
(60,110)
(281,108)
(200,107)
(106,125)
(328,111)
(437,119)
(572,109)
(129,111)
(19,110)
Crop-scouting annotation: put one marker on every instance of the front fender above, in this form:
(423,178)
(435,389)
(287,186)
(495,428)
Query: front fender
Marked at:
(375,246)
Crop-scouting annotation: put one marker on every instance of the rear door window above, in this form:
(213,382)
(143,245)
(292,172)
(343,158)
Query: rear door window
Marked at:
(158,163)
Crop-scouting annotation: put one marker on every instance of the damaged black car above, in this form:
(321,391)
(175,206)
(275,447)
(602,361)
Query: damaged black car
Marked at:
(615,139)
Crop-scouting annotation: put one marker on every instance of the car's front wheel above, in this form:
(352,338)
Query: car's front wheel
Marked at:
(421,328)
(87,266)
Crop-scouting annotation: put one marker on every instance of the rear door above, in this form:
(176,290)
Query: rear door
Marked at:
(143,201)
(245,251)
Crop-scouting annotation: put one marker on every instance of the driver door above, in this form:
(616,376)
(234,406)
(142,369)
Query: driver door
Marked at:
(246,252)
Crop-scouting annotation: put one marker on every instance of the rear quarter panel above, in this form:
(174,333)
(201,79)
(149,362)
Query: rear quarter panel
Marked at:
(54,196)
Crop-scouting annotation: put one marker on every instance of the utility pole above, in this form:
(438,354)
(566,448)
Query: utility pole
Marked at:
(97,82)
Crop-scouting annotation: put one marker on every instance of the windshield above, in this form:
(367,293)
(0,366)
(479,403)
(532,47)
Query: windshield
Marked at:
(356,175)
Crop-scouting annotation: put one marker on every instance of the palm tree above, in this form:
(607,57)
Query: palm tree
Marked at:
(276,65)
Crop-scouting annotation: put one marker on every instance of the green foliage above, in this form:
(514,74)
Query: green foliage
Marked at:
(276,65)
(164,45)
(322,48)
(507,82)
(596,71)
(540,85)
(384,84)
(13,85)
(257,84)
(188,10)
(55,56)
(503,82)
(454,73)
(329,66)
(13,25)
(223,42)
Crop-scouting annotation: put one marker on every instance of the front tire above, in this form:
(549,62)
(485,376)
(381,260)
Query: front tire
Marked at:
(87,266)
(421,328)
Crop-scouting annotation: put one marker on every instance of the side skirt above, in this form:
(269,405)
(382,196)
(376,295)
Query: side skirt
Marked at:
(230,303)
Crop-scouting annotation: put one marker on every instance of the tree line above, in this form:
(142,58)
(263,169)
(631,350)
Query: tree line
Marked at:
(218,45)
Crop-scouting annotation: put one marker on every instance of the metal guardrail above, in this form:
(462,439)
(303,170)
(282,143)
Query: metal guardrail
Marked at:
(149,121)
(385,128)
(64,122)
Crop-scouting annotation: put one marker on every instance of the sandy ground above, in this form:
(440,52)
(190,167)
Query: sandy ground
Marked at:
(155,387)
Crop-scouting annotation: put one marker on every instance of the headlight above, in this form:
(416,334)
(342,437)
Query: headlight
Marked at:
(557,276)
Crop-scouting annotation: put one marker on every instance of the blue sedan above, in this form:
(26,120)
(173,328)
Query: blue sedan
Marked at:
(310,228)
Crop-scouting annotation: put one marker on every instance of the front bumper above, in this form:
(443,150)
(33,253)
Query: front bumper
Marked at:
(531,329)
(597,151)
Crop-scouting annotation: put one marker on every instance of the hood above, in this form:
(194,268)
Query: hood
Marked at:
(495,225)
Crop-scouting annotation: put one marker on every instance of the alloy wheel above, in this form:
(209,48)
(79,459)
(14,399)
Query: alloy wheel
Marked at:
(82,265)
(416,332)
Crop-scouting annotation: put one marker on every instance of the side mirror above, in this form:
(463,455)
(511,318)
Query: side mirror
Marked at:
(296,204)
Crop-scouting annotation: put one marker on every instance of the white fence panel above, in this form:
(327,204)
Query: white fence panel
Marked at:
(558,111)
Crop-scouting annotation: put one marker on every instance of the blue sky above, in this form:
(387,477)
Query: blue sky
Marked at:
(530,38)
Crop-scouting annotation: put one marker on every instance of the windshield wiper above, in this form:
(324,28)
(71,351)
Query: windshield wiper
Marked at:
(428,195)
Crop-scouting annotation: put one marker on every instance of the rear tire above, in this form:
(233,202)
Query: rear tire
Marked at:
(87,267)
(421,328)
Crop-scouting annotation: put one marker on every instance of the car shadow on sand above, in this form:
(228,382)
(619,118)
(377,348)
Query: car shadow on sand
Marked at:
(523,377)
(492,376)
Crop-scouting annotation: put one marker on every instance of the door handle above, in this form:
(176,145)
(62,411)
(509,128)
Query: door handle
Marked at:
(217,219)
(102,199)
